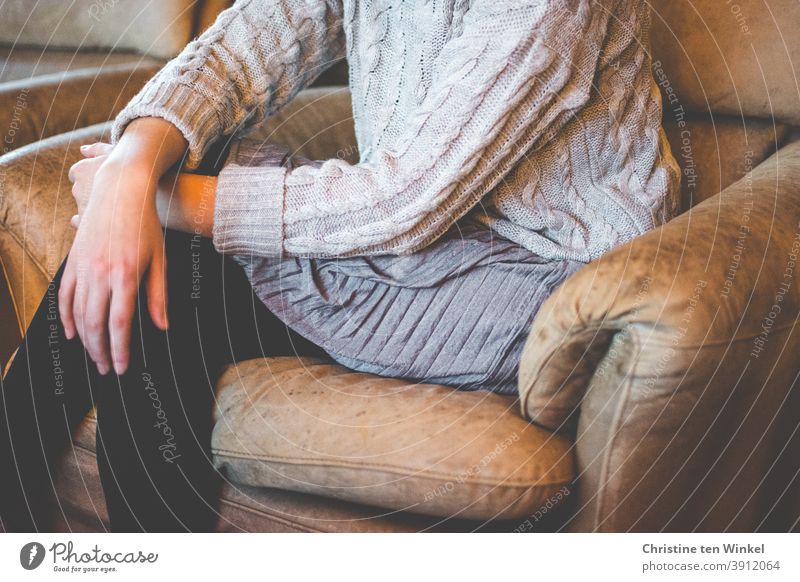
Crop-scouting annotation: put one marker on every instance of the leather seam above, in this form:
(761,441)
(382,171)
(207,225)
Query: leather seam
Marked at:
(26,250)
(287,522)
(241,506)
(395,469)
(614,425)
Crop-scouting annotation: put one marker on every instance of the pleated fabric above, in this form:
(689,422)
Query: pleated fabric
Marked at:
(457,312)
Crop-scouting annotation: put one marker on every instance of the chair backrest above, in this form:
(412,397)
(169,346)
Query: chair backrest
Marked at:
(158,28)
(729,72)
(736,57)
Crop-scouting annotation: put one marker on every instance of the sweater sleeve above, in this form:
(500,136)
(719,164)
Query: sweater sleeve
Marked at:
(245,67)
(513,76)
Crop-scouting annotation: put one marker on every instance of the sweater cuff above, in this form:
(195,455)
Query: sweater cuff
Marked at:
(248,210)
(181,105)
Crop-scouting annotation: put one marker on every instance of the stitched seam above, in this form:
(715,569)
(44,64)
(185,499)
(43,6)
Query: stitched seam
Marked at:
(613,431)
(396,469)
(25,250)
(386,467)
(222,500)
(270,516)
(721,342)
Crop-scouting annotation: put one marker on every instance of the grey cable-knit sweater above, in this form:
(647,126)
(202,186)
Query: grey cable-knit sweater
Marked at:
(544,111)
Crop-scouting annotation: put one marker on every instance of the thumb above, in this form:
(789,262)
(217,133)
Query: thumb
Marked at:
(157,292)
(99,148)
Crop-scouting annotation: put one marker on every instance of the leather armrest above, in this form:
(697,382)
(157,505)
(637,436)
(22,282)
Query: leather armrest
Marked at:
(46,105)
(674,357)
(36,204)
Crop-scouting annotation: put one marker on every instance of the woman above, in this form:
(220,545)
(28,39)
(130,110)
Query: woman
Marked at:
(502,145)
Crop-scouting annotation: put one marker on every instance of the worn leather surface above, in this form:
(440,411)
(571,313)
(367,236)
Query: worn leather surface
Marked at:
(675,357)
(316,427)
(738,58)
(36,204)
(159,29)
(80,505)
(207,13)
(17,62)
(35,108)
(714,151)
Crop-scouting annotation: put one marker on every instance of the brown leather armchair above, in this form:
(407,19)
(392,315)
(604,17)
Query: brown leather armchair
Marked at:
(660,379)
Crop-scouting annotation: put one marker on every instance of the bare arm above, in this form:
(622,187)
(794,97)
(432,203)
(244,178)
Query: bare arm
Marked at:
(185,202)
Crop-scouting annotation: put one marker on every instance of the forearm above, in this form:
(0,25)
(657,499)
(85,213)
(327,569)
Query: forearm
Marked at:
(217,85)
(185,202)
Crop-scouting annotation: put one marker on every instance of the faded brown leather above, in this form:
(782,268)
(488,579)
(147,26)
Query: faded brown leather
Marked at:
(36,206)
(653,351)
(46,105)
(257,509)
(80,506)
(311,426)
(674,424)
(27,62)
(738,58)
(160,29)
(716,151)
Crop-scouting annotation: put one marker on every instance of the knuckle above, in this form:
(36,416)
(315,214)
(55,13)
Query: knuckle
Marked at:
(98,264)
(93,325)
(118,320)
(78,167)
(124,270)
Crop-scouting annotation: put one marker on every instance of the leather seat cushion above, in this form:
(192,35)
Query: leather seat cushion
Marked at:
(311,426)
(81,508)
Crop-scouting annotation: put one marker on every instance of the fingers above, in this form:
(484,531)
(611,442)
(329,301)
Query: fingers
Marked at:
(99,148)
(157,291)
(76,170)
(85,167)
(66,294)
(95,320)
(123,302)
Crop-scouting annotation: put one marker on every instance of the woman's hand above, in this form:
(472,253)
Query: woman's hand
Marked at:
(81,174)
(119,241)
(184,202)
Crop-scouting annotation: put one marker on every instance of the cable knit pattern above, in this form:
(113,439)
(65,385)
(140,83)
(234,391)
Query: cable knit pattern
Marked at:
(544,111)
(250,63)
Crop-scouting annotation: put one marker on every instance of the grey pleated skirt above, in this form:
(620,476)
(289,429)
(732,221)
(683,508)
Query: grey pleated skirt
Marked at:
(458,312)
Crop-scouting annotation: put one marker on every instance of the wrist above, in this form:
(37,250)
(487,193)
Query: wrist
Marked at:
(118,176)
(150,143)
